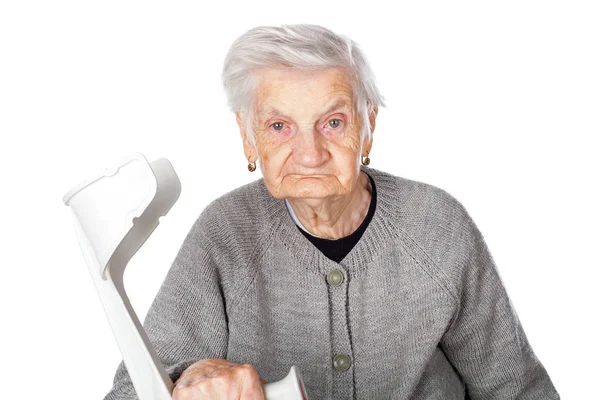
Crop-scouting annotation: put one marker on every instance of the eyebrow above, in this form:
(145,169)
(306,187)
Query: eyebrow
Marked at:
(272,111)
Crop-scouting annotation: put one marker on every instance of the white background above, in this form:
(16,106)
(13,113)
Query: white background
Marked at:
(496,102)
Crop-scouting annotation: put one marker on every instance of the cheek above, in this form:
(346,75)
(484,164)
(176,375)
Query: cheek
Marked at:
(353,143)
(266,147)
(273,158)
(348,145)
(350,140)
(271,152)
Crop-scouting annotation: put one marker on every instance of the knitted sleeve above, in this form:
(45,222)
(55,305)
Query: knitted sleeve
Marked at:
(187,320)
(485,340)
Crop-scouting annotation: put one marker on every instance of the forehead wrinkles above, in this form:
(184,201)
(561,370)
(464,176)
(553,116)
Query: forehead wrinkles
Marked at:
(274,84)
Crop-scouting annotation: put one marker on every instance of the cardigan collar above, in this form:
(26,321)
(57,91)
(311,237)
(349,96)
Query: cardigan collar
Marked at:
(283,232)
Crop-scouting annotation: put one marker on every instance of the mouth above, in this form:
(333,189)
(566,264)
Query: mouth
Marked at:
(308,176)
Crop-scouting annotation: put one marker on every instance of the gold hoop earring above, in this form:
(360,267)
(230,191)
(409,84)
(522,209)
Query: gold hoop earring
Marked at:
(366,161)
(251,166)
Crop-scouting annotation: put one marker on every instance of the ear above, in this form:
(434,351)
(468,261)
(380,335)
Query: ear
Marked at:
(369,143)
(372,117)
(249,149)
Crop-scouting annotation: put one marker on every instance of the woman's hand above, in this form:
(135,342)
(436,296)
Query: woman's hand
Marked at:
(216,378)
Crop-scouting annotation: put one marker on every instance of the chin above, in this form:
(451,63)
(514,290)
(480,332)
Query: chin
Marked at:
(310,189)
(305,187)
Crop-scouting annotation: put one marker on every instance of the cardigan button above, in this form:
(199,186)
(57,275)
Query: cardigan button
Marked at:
(341,362)
(335,277)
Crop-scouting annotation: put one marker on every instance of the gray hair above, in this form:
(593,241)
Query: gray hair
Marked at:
(301,46)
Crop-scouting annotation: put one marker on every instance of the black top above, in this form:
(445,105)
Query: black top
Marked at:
(337,249)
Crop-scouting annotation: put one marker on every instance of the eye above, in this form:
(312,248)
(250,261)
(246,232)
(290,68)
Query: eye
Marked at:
(336,123)
(278,126)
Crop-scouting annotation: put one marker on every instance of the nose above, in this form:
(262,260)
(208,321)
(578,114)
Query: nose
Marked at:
(309,148)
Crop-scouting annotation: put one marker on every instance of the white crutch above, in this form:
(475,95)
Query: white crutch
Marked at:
(114,213)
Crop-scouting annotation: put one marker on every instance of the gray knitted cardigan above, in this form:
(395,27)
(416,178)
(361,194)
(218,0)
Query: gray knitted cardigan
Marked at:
(421,312)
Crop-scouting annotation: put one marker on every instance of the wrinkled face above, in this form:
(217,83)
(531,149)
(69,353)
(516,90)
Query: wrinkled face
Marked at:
(307,133)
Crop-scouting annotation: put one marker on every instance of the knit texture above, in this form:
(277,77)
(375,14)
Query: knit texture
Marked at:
(337,249)
(422,312)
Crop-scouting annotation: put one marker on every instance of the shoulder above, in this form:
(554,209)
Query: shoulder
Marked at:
(416,201)
(229,229)
(232,223)
(428,216)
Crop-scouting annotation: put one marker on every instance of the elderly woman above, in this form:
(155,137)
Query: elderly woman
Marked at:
(373,285)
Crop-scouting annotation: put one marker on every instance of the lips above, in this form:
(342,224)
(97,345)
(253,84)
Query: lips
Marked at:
(308,175)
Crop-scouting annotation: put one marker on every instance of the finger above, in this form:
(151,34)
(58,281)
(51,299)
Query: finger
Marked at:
(251,383)
(220,387)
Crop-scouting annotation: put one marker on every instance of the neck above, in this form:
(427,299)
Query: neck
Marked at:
(335,217)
